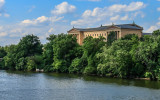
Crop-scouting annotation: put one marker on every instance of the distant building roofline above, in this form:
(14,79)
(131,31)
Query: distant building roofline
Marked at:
(101,28)
(146,33)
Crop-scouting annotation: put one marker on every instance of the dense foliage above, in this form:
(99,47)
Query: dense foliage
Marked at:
(26,55)
(128,57)
(2,54)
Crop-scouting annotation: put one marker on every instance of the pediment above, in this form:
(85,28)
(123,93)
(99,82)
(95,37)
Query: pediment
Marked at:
(73,30)
(113,27)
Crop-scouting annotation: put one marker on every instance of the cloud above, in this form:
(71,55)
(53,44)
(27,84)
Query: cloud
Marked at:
(42,27)
(50,30)
(63,8)
(114,18)
(151,29)
(39,20)
(158,9)
(43,20)
(125,17)
(3,34)
(2,11)
(2,2)
(101,14)
(154,27)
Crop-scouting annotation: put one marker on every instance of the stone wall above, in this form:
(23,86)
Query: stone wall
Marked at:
(131,31)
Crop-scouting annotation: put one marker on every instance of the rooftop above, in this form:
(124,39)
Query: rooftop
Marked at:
(121,26)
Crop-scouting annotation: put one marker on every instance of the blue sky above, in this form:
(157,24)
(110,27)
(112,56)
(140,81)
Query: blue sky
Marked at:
(44,17)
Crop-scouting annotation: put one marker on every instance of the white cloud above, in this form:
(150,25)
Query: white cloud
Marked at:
(43,20)
(101,14)
(41,27)
(2,2)
(63,8)
(152,28)
(159,18)
(2,11)
(125,17)
(114,18)
(158,0)
(158,23)
(50,30)
(135,6)
(3,34)
(39,20)
(138,13)
(158,9)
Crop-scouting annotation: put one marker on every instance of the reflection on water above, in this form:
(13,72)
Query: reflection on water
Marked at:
(52,86)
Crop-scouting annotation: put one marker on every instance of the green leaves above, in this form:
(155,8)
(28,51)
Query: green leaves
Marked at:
(64,51)
(156,33)
(111,38)
(18,55)
(116,60)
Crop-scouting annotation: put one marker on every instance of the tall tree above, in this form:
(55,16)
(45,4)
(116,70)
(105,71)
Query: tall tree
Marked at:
(147,54)
(116,60)
(48,53)
(64,50)
(111,38)
(91,47)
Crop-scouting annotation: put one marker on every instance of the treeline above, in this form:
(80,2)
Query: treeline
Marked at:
(128,57)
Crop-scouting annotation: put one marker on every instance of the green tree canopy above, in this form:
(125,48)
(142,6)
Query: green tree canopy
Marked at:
(111,38)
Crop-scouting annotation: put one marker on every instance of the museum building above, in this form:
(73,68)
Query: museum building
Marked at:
(121,30)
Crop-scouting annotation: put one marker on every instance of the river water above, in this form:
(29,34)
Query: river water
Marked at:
(52,86)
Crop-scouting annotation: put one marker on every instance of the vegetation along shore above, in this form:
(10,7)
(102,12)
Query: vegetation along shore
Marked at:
(128,57)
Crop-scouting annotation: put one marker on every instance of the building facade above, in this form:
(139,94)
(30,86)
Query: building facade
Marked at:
(120,30)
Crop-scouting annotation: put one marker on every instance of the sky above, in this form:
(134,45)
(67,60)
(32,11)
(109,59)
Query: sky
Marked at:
(19,18)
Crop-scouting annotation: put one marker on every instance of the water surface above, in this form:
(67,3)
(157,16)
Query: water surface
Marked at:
(52,86)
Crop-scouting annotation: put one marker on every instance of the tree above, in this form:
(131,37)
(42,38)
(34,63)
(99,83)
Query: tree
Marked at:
(156,32)
(10,58)
(130,37)
(48,53)
(148,55)
(2,54)
(116,60)
(91,47)
(29,46)
(111,38)
(17,55)
(64,50)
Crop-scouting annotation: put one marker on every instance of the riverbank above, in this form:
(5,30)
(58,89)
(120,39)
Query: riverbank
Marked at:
(93,75)
(18,85)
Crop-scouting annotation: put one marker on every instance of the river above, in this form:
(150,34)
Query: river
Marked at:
(16,85)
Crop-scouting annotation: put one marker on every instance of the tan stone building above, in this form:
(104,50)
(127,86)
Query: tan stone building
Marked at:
(120,30)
